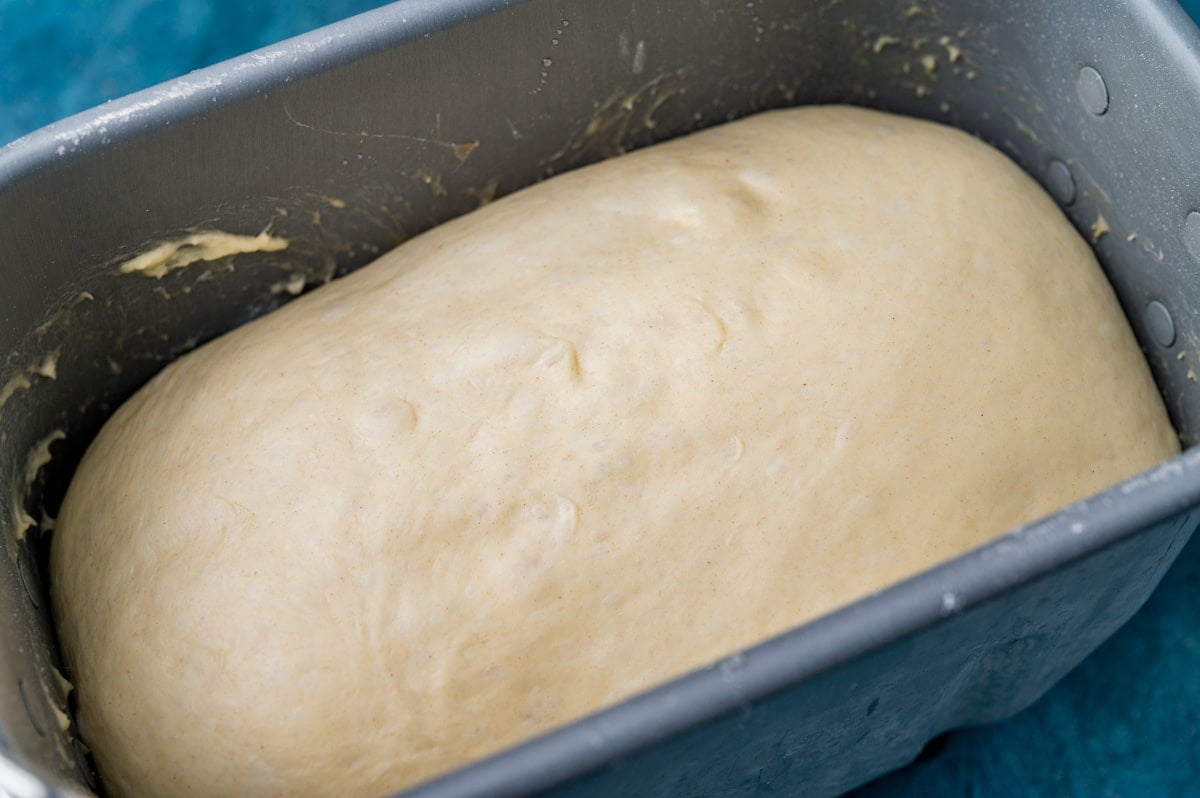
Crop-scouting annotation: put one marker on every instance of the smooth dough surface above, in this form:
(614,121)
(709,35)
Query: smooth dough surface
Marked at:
(589,437)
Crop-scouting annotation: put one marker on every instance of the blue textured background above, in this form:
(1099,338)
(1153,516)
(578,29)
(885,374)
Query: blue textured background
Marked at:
(1125,723)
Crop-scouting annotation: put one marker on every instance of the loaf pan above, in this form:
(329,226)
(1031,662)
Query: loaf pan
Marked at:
(355,137)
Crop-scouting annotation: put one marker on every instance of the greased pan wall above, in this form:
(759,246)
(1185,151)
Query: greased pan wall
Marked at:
(352,138)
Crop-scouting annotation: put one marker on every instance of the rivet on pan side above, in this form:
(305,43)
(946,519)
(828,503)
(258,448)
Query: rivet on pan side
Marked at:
(28,573)
(1060,183)
(1093,93)
(1160,323)
(39,724)
(1191,234)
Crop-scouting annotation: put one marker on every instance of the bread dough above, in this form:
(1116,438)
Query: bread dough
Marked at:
(592,436)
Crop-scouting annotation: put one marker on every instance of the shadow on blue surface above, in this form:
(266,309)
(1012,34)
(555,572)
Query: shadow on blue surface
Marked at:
(1125,723)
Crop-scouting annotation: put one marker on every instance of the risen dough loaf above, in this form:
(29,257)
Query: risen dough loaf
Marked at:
(594,435)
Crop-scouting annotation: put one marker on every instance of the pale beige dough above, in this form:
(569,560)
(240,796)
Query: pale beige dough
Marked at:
(594,435)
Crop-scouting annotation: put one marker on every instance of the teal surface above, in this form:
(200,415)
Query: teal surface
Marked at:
(59,57)
(1125,723)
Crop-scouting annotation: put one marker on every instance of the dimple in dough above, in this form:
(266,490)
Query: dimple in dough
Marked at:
(592,436)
